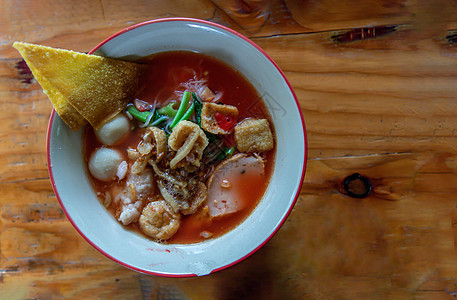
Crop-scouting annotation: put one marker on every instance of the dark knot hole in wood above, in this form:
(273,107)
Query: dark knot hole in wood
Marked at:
(357,186)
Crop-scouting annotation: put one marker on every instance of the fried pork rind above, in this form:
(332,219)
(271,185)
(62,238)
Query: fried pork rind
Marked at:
(209,122)
(157,138)
(182,193)
(153,145)
(186,199)
(140,164)
(253,135)
(189,140)
(197,200)
(80,86)
(173,195)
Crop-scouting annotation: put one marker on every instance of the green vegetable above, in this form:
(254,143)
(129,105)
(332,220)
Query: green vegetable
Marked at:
(226,153)
(221,156)
(188,113)
(181,109)
(229,151)
(219,153)
(140,116)
(198,109)
(168,110)
(156,115)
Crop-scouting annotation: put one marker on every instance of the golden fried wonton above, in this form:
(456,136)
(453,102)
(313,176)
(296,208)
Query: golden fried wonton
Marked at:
(80,86)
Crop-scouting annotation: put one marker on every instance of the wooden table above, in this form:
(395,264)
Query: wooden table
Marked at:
(377,84)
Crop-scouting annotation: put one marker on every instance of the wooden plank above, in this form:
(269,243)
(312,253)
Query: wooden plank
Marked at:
(81,25)
(401,105)
(376,83)
(365,243)
(110,283)
(97,20)
(338,14)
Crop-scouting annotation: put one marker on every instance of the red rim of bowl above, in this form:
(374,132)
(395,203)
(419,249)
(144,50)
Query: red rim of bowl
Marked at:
(297,191)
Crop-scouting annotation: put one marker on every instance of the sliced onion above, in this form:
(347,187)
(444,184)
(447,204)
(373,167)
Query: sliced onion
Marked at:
(195,85)
(217,97)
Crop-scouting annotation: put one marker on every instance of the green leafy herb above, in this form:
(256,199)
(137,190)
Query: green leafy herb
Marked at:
(198,109)
(229,151)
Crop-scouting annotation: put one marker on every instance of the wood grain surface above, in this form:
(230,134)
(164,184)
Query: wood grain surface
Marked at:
(377,85)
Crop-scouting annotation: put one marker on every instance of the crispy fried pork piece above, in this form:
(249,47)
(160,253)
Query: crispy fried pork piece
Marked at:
(185,199)
(182,193)
(189,140)
(153,145)
(253,135)
(174,195)
(197,200)
(157,138)
(210,121)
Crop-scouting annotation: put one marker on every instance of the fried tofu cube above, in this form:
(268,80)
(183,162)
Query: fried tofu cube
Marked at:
(253,135)
(218,118)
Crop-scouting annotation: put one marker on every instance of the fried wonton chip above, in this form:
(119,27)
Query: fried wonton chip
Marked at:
(80,86)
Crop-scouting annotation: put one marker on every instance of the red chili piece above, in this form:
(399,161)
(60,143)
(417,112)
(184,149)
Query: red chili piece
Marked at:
(225,122)
(142,105)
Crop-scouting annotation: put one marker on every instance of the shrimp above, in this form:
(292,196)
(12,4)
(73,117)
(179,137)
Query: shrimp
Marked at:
(159,221)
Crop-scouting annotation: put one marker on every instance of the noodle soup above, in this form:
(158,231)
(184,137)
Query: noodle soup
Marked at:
(190,157)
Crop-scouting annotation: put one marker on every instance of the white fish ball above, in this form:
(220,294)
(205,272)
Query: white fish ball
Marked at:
(103,163)
(114,130)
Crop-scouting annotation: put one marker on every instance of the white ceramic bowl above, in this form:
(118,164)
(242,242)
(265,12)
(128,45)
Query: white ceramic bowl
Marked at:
(74,191)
